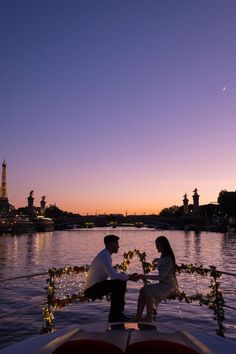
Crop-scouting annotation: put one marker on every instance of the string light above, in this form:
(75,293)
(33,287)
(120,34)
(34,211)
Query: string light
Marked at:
(213,300)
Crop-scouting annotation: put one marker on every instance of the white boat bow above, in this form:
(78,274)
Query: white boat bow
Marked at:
(123,338)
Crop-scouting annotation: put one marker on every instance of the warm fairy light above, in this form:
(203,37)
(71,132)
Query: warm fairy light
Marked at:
(213,300)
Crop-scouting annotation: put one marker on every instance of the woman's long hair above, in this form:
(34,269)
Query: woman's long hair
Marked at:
(166,247)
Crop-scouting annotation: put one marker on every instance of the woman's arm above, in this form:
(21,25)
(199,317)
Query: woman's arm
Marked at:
(166,268)
(151,277)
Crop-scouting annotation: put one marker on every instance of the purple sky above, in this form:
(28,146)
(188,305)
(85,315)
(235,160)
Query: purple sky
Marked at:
(118,105)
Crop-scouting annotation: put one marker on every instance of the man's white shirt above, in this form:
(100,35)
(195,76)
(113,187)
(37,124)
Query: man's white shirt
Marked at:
(101,269)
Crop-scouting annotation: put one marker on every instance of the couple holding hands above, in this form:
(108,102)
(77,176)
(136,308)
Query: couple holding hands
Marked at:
(102,279)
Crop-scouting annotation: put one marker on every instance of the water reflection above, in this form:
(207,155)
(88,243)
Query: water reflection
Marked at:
(187,243)
(192,245)
(3,251)
(30,249)
(43,250)
(197,244)
(35,253)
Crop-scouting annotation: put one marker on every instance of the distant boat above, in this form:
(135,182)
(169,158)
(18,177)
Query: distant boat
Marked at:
(43,224)
(14,226)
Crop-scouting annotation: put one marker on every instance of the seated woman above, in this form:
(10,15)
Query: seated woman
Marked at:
(167,285)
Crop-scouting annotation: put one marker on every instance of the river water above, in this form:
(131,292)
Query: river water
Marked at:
(21,299)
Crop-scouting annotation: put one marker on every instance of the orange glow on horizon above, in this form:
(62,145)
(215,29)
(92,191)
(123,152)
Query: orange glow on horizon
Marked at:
(132,208)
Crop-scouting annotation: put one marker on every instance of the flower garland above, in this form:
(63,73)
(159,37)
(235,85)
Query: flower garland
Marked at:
(214,299)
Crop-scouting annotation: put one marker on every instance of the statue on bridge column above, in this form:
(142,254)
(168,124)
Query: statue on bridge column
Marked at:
(42,205)
(195,201)
(31,204)
(185,202)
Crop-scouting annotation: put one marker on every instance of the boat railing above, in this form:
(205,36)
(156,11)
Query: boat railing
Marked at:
(46,273)
(52,303)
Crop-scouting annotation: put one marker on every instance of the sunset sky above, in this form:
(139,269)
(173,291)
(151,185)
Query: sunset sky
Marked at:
(110,106)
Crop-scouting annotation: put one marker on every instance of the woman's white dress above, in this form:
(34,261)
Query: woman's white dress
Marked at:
(167,284)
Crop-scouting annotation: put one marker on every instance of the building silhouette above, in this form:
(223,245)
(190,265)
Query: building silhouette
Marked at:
(25,219)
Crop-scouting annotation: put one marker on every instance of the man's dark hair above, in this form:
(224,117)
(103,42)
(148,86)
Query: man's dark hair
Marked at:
(110,238)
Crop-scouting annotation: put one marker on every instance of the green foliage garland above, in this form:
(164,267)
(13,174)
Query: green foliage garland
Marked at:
(213,300)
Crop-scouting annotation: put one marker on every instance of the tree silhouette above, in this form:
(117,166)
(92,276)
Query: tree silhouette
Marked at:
(227,202)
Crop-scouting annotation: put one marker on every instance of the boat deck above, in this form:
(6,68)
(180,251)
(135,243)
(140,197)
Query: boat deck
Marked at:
(124,337)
